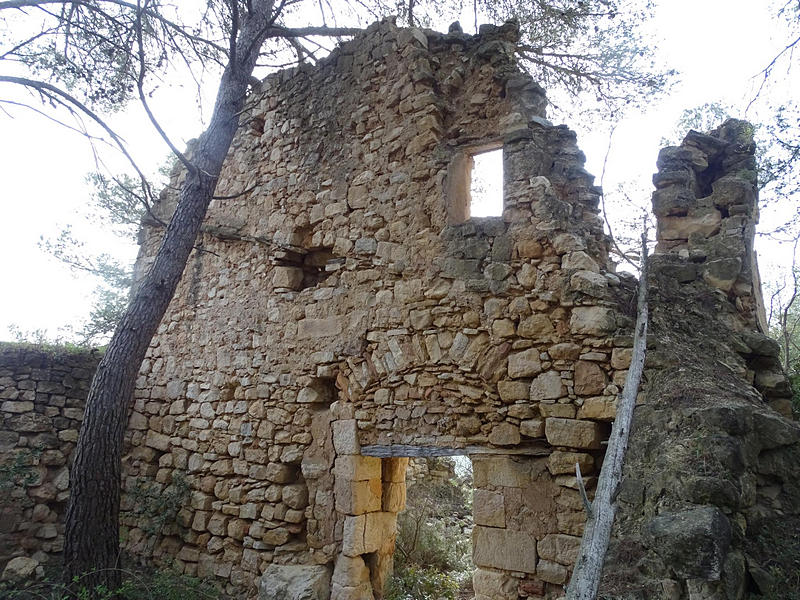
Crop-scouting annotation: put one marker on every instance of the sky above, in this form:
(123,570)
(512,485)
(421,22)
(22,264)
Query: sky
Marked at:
(718,46)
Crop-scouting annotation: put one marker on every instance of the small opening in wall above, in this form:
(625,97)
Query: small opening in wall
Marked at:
(486,184)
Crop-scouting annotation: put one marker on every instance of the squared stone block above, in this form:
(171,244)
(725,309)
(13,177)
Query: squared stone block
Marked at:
(488,508)
(394,497)
(394,469)
(573,433)
(560,548)
(599,408)
(345,437)
(504,549)
(561,462)
(288,277)
(357,468)
(367,533)
(493,584)
(357,497)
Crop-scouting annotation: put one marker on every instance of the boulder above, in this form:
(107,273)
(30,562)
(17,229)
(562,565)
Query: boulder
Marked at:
(19,568)
(295,582)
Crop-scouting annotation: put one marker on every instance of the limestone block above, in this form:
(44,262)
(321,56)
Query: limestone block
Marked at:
(367,533)
(579,261)
(295,496)
(503,549)
(722,273)
(560,548)
(705,221)
(357,468)
(394,497)
(547,386)
(19,568)
(357,497)
(238,528)
(350,571)
(156,440)
(621,358)
(488,508)
(394,469)
(345,436)
(693,542)
(314,394)
(276,537)
(504,434)
(599,408)
(503,328)
(551,572)
(288,277)
(218,524)
(533,428)
(361,592)
(564,351)
(590,379)
(524,364)
(590,283)
(567,242)
(573,433)
(319,328)
(494,585)
(501,471)
(11,406)
(593,320)
(566,411)
(527,248)
(511,391)
(295,582)
(521,411)
(279,473)
(537,326)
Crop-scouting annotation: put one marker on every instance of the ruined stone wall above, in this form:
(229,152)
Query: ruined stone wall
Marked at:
(42,395)
(343,312)
(709,506)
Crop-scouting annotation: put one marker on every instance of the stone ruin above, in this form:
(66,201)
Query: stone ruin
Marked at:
(343,312)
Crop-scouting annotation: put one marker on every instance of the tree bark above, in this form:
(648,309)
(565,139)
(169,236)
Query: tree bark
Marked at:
(91,551)
(585,579)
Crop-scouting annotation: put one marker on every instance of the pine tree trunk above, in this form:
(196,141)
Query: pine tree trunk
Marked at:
(91,551)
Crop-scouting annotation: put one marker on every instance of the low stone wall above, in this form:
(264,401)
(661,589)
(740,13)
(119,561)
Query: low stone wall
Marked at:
(42,395)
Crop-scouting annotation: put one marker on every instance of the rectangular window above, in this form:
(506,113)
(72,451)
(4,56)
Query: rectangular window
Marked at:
(486,184)
(475,184)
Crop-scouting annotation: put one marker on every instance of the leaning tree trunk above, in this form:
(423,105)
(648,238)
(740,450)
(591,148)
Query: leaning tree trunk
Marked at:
(585,580)
(91,549)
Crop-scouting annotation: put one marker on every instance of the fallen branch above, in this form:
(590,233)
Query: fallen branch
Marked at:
(585,579)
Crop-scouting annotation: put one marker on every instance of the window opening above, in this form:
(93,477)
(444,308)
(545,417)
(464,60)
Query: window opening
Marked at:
(486,184)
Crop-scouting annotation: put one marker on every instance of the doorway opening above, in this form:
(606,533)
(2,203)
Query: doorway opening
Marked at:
(433,548)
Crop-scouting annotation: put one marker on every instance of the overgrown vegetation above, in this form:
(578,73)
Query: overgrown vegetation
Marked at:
(433,555)
(778,544)
(158,585)
(16,473)
(156,507)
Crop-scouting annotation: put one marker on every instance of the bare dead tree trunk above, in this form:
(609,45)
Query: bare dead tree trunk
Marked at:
(91,550)
(585,579)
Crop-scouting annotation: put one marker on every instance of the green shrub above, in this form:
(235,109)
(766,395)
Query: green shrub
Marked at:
(416,583)
(156,507)
(432,556)
(157,585)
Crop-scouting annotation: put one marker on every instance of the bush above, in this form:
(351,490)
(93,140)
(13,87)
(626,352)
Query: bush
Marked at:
(433,548)
(415,583)
(158,585)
